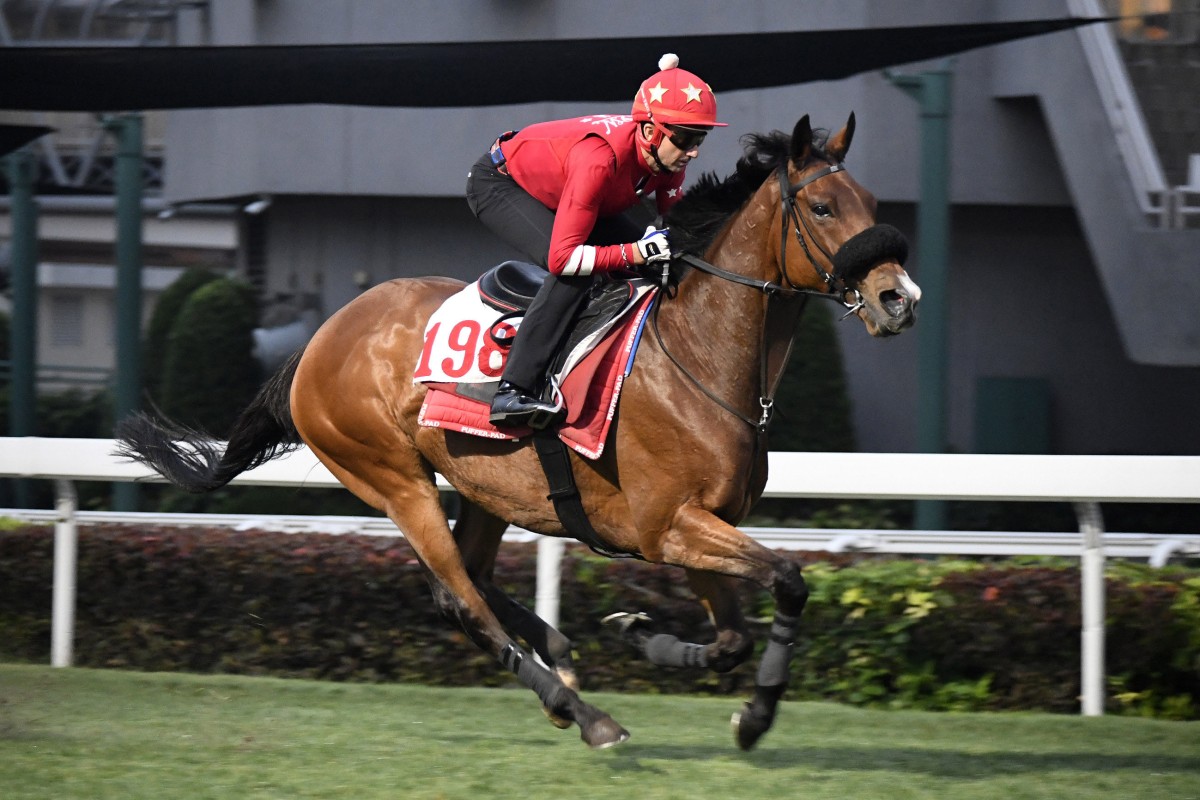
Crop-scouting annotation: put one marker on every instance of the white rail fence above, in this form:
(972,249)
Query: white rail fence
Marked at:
(1084,481)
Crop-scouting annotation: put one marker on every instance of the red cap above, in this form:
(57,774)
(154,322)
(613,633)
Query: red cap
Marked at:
(673,96)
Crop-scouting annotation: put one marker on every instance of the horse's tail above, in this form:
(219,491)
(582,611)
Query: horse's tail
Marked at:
(193,461)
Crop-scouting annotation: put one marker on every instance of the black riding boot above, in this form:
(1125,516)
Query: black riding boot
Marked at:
(513,406)
(545,326)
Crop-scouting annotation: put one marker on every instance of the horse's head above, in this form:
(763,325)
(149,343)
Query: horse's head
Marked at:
(833,244)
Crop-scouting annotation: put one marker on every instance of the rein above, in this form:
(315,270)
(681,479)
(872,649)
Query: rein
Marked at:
(836,285)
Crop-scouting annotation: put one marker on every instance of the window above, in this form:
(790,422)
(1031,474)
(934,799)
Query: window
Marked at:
(66,319)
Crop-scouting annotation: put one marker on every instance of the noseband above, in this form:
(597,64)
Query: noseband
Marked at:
(856,256)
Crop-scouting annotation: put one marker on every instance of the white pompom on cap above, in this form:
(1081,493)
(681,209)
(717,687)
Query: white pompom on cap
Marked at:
(668,61)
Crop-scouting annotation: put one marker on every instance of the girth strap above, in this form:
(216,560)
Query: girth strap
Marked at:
(564,494)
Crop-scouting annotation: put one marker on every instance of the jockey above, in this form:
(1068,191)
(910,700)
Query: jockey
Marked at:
(559,192)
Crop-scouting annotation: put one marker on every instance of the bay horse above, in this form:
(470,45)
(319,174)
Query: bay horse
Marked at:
(686,457)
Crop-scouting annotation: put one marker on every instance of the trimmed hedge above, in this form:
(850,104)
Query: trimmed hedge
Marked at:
(158,330)
(879,632)
(209,373)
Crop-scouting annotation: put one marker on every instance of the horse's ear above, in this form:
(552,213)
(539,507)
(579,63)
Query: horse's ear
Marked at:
(801,141)
(840,143)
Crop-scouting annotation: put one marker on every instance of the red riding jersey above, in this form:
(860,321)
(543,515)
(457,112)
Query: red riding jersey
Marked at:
(583,169)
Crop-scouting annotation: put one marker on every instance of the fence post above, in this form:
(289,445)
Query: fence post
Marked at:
(127,130)
(1091,525)
(66,538)
(550,552)
(932,91)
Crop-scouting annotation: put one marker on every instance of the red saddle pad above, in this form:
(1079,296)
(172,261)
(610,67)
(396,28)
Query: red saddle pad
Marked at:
(591,391)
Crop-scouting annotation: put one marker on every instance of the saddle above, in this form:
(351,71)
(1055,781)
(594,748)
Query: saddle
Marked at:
(510,287)
(467,341)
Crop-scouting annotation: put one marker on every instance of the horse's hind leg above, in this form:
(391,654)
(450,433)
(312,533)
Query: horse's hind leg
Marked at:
(733,645)
(414,506)
(425,526)
(478,535)
(719,596)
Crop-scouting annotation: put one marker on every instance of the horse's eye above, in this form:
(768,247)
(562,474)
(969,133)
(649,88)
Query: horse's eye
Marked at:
(822,210)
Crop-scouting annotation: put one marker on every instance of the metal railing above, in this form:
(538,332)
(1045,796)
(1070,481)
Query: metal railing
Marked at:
(1154,548)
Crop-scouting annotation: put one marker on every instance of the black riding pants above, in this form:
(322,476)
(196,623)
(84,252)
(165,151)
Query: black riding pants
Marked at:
(521,220)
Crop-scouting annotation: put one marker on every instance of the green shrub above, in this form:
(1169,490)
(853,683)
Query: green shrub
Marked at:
(289,500)
(73,413)
(209,374)
(158,330)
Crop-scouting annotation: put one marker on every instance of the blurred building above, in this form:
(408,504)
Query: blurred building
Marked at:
(76,276)
(1075,244)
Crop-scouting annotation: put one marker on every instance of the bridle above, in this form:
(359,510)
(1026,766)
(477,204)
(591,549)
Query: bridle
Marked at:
(835,284)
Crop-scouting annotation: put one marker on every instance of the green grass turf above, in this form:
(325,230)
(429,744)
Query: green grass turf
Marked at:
(96,734)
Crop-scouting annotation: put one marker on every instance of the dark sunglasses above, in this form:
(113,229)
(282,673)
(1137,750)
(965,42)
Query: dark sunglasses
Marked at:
(686,138)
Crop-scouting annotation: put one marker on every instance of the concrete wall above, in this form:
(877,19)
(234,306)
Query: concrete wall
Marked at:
(1024,301)
(76,309)
(377,239)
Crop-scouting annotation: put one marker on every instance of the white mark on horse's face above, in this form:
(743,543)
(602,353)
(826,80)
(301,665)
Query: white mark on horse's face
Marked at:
(913,290)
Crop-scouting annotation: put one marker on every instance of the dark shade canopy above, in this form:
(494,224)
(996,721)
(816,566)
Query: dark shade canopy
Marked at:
(465,73)
(13,137)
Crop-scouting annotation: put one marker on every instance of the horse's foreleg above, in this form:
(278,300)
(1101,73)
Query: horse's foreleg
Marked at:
(702,542)
(553,648)
(758,715)
(718,595)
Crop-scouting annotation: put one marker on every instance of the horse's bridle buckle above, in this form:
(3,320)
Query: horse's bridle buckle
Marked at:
(768,409)
(852,307)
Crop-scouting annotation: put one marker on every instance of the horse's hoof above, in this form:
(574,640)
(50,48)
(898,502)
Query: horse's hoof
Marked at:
(749,726)
(603,733)
(623,619)
(631,626)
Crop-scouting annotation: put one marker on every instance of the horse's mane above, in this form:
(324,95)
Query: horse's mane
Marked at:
(695,220)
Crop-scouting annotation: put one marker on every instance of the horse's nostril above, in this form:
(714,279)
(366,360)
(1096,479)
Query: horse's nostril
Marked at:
(895,302)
